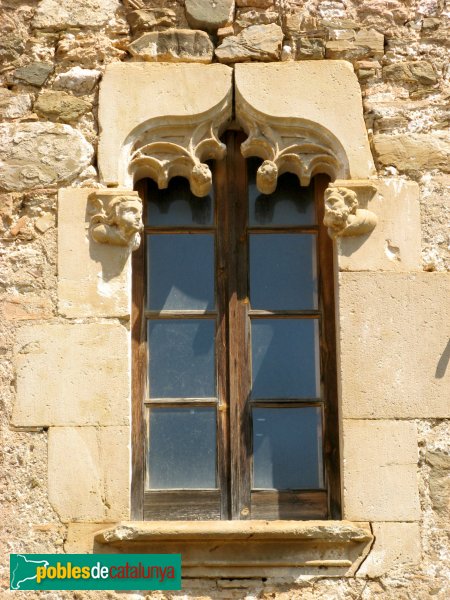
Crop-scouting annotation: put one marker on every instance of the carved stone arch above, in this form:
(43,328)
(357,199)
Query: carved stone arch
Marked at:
(295,146)
(306,118)
(162,120)
(177,146)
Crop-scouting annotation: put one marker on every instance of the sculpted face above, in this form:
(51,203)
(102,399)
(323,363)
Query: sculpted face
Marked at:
(201,180)
(339,206)
(129,215)
(266,177)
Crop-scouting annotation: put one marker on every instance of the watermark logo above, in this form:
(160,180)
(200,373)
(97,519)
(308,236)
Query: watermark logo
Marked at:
(95,572)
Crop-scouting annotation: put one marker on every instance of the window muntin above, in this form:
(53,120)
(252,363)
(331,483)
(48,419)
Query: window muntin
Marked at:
(272,351)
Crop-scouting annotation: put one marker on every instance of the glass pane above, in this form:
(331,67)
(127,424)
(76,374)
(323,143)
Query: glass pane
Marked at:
(285,358)
(287,448)
(181,358)
(283,271)
(290,204)
(182,448)
(181,271)
(177,206)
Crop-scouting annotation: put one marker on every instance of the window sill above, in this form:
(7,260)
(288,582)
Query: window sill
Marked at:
(246,548)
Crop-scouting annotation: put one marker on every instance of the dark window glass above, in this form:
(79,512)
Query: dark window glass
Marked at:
(285,358)
(181,358)
(182,448)
(289,205)
(177,206)
(180,271)
(283,271)
(287,448)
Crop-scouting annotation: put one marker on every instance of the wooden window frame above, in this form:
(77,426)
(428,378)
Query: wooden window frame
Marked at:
(234,500)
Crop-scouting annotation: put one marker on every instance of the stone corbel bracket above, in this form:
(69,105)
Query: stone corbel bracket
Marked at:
(343,215)
(180,149)
(115,218)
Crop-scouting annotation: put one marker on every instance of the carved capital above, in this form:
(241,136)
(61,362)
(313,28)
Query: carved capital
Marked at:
(116,218)
(180,149)
(343,215)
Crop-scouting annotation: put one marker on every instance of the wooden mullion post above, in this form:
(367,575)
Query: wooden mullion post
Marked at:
(138,374)
(328,353)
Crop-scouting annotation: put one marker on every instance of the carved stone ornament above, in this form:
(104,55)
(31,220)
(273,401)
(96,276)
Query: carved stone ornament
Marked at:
(116,218)
(289,145)
(343,217)
(179,149)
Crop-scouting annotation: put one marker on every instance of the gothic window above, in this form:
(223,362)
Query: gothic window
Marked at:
(234,377)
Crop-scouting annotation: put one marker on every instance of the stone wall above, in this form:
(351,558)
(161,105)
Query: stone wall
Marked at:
(53,54)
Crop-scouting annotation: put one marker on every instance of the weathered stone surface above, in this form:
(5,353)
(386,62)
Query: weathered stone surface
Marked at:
(342,34)
(371,39)
(224,32)
(309,48)
(35,73)
(394,336)
(147,20)
(87,50)
(26,307)
(345,50)
(439,482)
(80,537)
(11,47)
(192,93)
(13,105)
(223,548)
(204,14)
(395,243)
(367,68)
(45,222)
(321,531)
(173,45)
(397,546)
(255,3)
(332,102)
(300,21)
(431,23)
(60,106)
(413,72)
(41,154)
(55,15)
(258,43)
(379,471)
(413,151)
(99,458)
(78,80)
(93,279)
(424,73)
(255,16)
(72,375)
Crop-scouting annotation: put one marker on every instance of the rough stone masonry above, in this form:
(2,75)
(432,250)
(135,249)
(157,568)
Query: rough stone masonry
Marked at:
(53,54)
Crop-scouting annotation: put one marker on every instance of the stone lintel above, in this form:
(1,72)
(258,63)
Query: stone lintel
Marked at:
(303,129)
(247,548)
(171,134)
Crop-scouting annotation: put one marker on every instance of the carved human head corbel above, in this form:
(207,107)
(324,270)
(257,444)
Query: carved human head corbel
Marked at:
(343,217)
(116,218)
